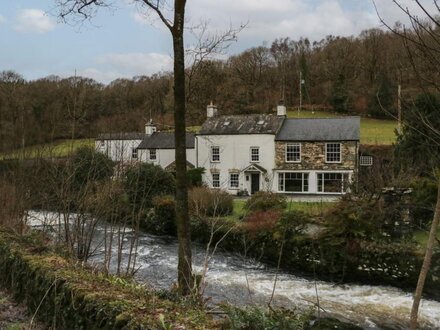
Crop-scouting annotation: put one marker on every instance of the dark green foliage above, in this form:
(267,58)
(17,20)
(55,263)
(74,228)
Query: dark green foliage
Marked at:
(143,182)
(418,146)
(195,176)
(265,201)
(210,202)
(162,221)
(339,96)
(423,200)
(88,165)
(382,101)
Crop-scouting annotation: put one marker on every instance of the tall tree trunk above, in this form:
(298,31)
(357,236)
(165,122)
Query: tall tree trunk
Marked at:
(426,263)
(185,277)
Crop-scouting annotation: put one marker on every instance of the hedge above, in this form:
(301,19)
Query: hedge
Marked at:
(66,295)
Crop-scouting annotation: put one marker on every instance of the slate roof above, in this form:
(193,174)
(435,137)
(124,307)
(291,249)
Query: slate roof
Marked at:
(122,136)
(320,129)
(165,140)
(243,124)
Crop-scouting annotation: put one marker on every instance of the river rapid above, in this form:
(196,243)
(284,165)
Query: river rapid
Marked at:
(242,281)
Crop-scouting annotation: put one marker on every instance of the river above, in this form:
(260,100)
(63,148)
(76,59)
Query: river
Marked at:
(242,281)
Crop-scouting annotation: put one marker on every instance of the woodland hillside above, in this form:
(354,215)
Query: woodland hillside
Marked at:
(346,75)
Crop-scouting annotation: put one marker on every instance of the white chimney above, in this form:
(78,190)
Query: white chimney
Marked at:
(150,128)
(281,109)
(211,110)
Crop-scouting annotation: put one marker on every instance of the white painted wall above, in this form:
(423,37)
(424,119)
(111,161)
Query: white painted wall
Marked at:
(165,157)
(118,150)
(235,156)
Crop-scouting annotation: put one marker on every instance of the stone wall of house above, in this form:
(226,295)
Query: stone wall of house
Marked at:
(313,157)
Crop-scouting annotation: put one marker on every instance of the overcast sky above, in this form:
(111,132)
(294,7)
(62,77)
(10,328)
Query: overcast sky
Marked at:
(125,41)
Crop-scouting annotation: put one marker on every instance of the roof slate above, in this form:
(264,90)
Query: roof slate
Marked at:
(165,140)
(320,129)
(122,136)
(243,124)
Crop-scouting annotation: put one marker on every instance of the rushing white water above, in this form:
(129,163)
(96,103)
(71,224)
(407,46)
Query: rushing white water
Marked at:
(237,280)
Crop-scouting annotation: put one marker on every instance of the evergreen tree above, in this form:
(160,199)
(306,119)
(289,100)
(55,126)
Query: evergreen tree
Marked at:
(339,96)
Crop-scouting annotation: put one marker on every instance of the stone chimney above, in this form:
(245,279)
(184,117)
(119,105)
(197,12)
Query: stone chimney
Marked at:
(211,110)
(281,109)
(150,127)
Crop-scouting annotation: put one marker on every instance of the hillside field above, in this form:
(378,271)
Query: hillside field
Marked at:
(373,131)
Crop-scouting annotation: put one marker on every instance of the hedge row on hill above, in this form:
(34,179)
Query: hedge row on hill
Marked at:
(67,296)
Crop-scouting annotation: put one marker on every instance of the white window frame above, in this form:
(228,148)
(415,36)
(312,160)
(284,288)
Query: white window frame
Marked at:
(282,182)
(286,152)
(258,154)
(102,144)
(134,153)
(333,152)
(215,181)
(344,184)
(237,186)
(150,154)
(212,154)
(366,160)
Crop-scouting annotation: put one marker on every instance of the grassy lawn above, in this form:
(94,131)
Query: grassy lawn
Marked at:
(421,237)
(373,131)
(309,208)
(56,149)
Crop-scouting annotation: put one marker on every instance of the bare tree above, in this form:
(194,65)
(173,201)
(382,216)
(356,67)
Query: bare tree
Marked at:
(422,43)
(86,9)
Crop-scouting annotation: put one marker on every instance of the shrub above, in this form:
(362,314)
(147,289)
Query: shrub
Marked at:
(195,176)
(261,221)
(90,165)
(423,200)
(143,182)
(162,222)
(210,202)
(265,201)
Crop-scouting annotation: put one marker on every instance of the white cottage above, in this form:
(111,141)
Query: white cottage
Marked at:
(159,149)
(238,152)
(120,147)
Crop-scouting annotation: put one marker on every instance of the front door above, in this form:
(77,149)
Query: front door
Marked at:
(255,182)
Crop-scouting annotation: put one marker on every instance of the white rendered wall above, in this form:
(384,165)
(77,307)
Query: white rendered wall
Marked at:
(118,150)
(165,157)
(235,157)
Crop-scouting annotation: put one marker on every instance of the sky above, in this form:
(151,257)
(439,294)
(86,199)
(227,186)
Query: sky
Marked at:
(126,40)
